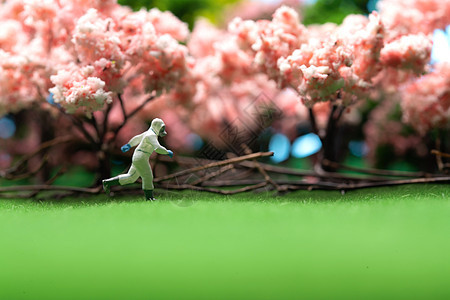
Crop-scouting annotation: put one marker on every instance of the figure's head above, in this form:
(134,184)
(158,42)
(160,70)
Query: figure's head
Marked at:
(158,127)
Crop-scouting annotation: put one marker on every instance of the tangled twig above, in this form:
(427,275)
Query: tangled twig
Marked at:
(246,166)
(10,173)
(214,164)
(376,171)
(132,113)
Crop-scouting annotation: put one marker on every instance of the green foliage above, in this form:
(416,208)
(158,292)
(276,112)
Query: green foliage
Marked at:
(384,156)
(186,10)
(335,11)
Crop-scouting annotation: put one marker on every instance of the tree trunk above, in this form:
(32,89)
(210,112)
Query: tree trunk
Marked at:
(104,171)
(331,143)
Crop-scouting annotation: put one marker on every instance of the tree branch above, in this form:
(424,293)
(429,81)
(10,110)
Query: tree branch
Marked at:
(354,186)
(44,187)
(261,170)
(214,164)
(439,153)
(122,106)
(213,174)
(43,146)
(28,174)
(312,121)
(325,175)
(79,125)
(130,115)
(376,171)
(105,122)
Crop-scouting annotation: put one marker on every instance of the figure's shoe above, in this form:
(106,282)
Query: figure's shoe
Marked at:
(106,187)
(107,183)
(149,195)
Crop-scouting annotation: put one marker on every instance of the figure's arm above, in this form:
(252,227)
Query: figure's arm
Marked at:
(133,142)
(158,148)
(136,140)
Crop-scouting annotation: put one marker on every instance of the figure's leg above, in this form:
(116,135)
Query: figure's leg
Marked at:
(130,177)
(107,183)
(123,179)
(145,171)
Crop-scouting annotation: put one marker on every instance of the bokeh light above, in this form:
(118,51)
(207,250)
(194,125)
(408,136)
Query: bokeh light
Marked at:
(358,148)
(7,127)
(279,144)
(195,141)
(372,5)
(306,145)
(441,46)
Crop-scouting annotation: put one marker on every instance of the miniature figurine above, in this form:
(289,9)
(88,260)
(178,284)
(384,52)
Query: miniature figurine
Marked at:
(146,142)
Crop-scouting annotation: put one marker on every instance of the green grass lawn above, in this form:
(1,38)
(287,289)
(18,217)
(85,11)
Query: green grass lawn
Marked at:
(384,243)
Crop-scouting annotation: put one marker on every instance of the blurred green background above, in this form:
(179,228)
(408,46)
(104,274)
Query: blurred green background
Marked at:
(320,11)
(186,10)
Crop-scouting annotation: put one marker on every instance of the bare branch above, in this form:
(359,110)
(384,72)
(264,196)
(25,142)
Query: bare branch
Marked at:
(130,115)
(213,174)
(105,122)
(376,171)
(95,124)
(214,164)
(28,174)
(439,153)
(122,106)
(261,170)
(43,146)
(79,125)
(354,186)
(312,121)
(43,187)
(325,175)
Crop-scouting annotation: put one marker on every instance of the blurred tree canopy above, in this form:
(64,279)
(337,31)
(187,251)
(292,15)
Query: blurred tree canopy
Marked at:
(186,10)
(323,11)
(320,11)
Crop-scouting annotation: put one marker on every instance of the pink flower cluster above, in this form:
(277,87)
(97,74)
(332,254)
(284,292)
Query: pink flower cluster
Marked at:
(329,62)
(338,64)
(203,38)
(426,101)
(102,44)
(222,90)
(403,17)
(411,52)
(154,55)
(20,80)
(167,23)
(77,87)
(86,51)
(271,40)
(97,44)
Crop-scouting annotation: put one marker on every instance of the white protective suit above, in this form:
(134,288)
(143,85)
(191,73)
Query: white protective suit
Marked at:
(146,143)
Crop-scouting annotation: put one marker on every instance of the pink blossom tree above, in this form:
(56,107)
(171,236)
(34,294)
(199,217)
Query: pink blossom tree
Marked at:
(329,63)
(426,101)
(101,65)
(419,91)
(86,55)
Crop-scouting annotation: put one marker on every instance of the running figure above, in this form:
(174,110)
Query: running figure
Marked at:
(146,143)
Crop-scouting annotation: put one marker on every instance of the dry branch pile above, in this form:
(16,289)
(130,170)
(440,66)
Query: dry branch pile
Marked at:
(238,174)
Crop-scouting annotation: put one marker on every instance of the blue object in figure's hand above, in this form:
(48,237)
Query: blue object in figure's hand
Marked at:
(170,153)
(51,100)
(125,148)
